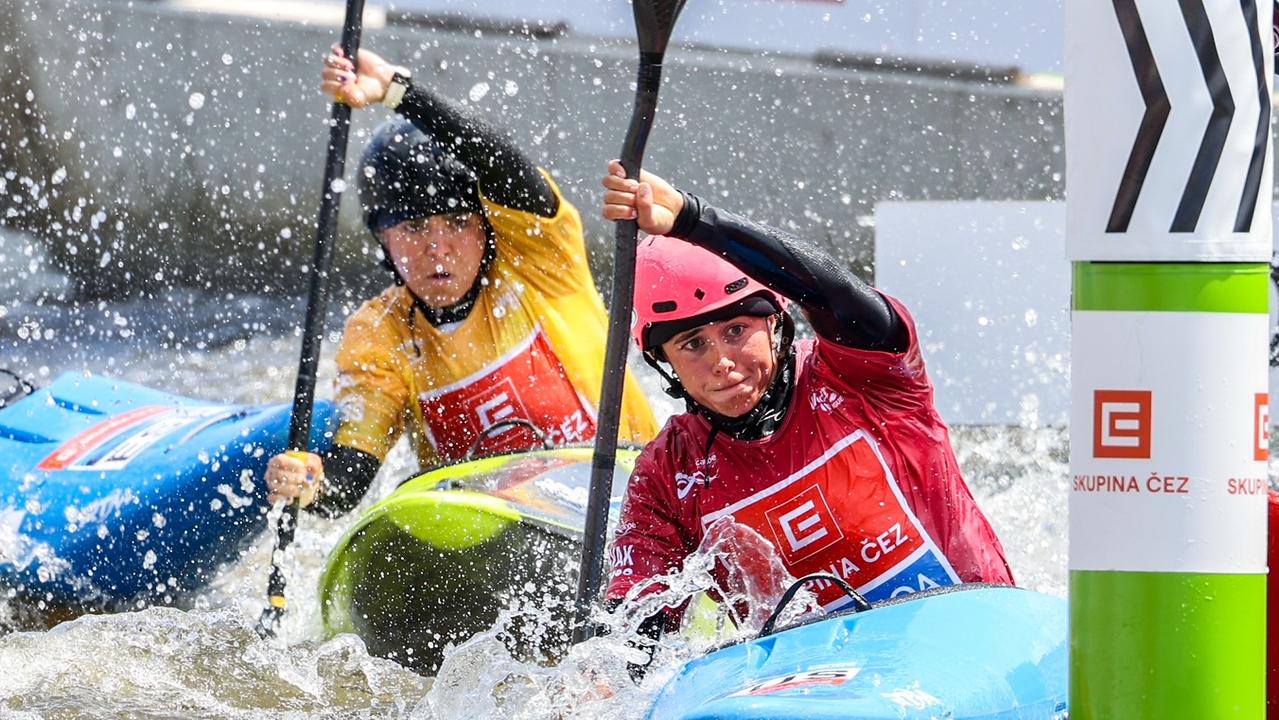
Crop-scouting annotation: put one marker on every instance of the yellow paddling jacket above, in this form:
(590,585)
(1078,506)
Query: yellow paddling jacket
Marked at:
(531,349)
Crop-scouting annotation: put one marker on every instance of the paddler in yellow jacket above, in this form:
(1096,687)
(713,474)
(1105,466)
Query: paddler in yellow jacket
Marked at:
(493,319)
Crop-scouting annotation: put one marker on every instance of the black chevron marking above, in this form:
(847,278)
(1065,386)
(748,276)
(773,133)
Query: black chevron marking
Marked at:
(1248,202)
(1152,120)
(1223,111)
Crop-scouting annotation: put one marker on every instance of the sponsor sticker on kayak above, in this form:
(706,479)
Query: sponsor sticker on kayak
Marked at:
(831,677)
(113,443)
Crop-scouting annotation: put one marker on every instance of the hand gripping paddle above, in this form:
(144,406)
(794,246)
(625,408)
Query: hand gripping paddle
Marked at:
(654,20)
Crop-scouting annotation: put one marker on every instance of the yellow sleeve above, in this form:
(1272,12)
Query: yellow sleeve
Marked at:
(638,425)
(548,252)
(372,395)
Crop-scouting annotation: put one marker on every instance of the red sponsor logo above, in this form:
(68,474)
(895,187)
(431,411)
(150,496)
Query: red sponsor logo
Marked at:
(1261,428)
(527,384)
(803,525)
(1121,424)
(799,680)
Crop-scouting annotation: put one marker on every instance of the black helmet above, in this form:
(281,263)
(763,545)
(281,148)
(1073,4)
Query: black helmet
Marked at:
(406,174)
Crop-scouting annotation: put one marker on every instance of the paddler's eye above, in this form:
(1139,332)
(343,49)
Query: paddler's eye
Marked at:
(692,344)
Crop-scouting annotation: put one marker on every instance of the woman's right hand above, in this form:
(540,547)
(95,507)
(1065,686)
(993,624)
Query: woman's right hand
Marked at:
(652,202)
(357,85)
(291,475)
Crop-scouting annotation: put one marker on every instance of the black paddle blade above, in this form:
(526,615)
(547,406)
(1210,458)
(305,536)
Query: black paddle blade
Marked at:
(654,21)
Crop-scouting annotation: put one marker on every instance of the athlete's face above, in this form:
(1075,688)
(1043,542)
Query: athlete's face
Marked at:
(438,256)
(725,366)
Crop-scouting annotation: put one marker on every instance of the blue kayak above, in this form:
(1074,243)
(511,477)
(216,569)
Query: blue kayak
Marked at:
(113,494)
(968,651)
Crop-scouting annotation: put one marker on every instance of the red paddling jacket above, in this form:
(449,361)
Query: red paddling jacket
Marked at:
(859,480)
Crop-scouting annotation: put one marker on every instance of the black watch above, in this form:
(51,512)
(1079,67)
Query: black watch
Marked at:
(401,81)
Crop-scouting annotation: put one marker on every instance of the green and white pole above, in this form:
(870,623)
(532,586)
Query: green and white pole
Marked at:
(1169,191)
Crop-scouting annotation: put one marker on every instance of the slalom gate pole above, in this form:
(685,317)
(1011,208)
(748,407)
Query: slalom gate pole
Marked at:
(1169,192)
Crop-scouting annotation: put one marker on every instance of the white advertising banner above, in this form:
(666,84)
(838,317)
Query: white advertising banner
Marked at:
(1192,510)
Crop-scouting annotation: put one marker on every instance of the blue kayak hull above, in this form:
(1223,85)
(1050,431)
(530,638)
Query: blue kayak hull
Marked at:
(995,653)
(114,494)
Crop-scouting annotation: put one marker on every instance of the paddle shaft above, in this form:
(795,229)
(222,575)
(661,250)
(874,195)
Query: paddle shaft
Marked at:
(619,316)
(316,307)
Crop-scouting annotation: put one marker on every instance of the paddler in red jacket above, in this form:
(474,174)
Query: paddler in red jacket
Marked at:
(830,449)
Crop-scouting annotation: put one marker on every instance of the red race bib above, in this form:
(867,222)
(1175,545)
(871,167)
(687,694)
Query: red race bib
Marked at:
(528,383)
(843,514)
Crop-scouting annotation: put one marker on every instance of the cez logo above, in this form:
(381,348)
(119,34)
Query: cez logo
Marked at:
(503,403)
(1261,428)
(804,525)
(1121,424)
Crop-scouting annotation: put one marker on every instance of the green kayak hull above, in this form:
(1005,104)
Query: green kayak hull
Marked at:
(451,550)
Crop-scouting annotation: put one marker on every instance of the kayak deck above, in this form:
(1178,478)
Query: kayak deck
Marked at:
(970,651)
(448,552)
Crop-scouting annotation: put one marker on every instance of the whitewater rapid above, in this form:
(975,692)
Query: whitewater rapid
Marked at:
(206,661)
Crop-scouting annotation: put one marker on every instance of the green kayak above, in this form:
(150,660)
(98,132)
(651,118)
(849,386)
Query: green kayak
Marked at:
(440,558)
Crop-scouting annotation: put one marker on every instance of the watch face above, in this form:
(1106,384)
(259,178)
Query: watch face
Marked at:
(395,91)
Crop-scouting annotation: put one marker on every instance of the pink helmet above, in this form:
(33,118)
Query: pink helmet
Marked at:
(679,286)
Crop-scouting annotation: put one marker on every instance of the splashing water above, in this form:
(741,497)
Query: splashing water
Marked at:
(205,660)
(479,678)
(164,662)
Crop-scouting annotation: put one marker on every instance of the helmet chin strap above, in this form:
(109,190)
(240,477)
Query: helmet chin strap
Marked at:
(766,416)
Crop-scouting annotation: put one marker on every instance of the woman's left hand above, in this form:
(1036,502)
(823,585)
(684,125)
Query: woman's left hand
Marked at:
(652,202)
(357,85)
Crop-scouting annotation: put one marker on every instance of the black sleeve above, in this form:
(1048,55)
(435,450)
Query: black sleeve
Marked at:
(507,177)
(348,474)
(840,307)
